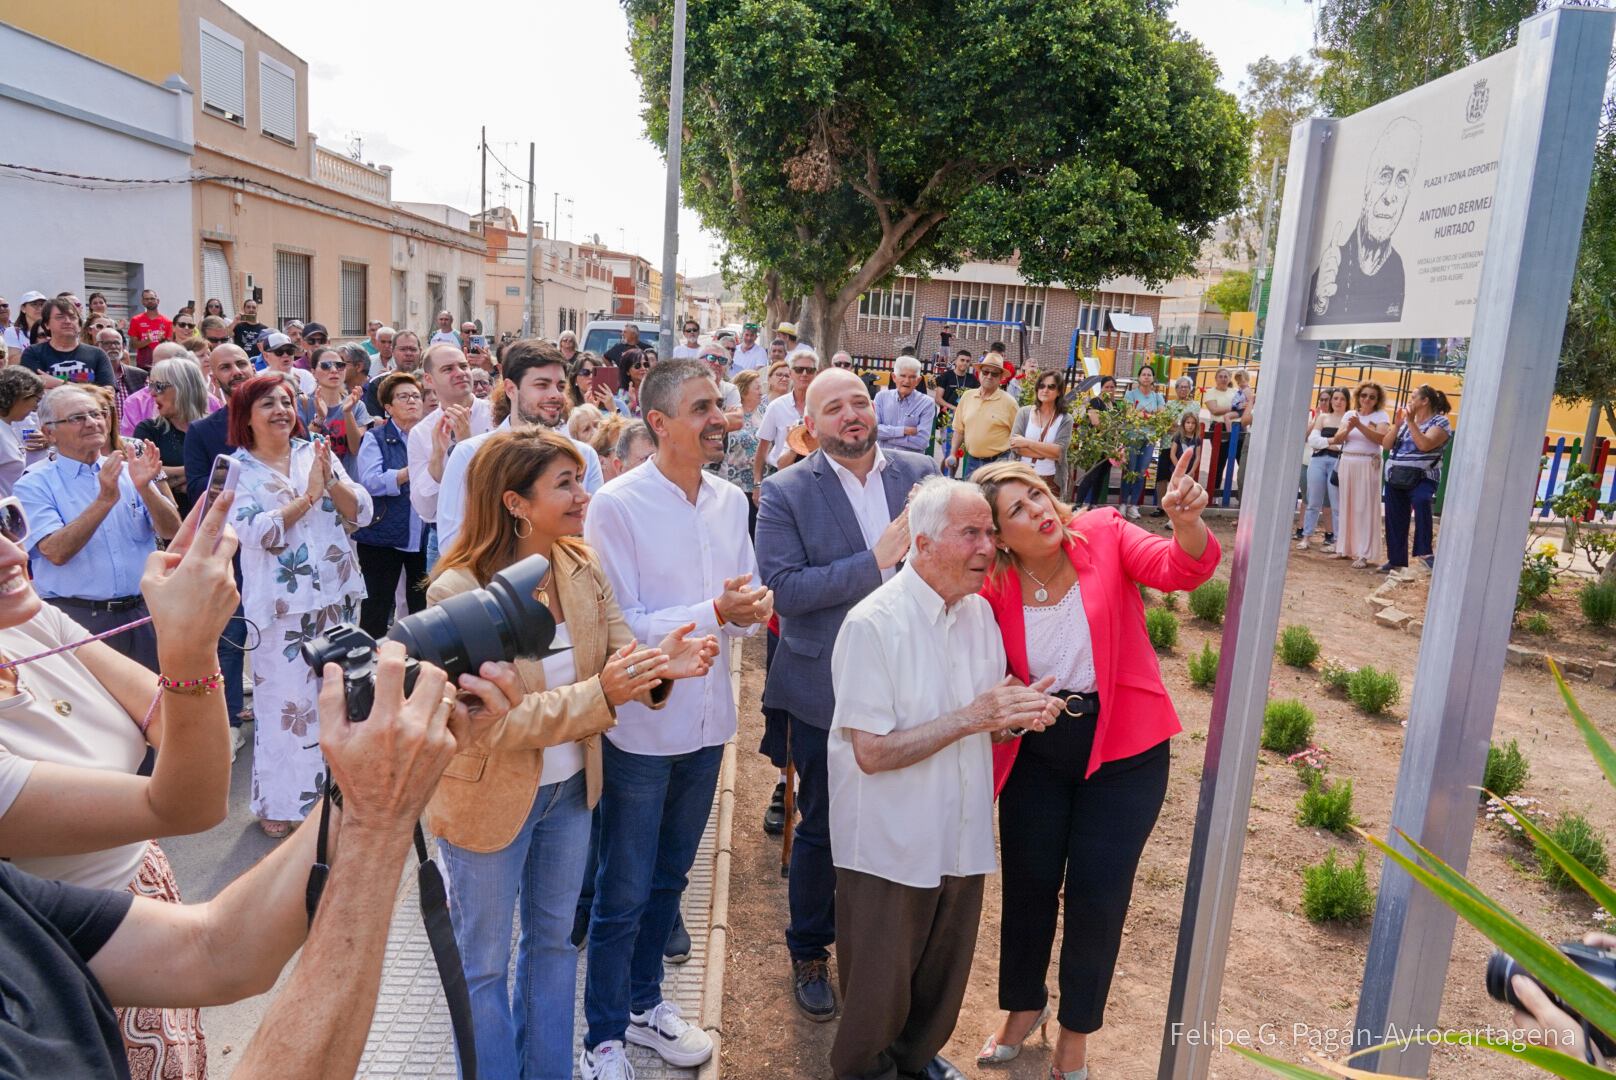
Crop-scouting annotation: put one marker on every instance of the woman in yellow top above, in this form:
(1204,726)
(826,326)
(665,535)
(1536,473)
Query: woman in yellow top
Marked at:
(512,812)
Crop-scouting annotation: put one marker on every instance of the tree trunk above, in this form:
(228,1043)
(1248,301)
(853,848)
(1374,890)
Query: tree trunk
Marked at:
(821,322)
(777,308)
(1590,436)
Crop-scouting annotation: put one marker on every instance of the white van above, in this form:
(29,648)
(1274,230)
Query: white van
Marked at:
(602,334)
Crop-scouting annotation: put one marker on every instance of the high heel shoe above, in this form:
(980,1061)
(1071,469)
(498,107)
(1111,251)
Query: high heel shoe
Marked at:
(994,1052)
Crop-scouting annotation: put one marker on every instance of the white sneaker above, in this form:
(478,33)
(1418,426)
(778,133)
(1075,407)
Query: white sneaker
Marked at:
(237,741)
(608,1061)
(1132,513)
(670,1035)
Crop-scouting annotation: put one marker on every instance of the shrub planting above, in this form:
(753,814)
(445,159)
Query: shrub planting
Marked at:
(1326,806)
(1297,647)
(1535,623)
(1287,726)
(1162,626)
(1334,893)
(1208,602)
(1582,842)
(1373,690)
(1598,600)
(1507,770)
(1334,675)
(1204,666)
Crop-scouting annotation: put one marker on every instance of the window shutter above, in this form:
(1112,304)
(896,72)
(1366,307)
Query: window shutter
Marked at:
(291,288)
(277,99)
(224,73)
(216,277)
(353,299)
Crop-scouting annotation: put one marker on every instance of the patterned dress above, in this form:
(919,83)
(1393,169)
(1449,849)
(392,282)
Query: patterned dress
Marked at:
(296,583)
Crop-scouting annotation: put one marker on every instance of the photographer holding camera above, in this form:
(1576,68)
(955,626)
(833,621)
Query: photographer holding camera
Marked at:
(73,953)
(1539,1017)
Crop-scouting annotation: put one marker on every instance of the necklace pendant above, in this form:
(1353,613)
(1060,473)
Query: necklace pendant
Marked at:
(1041,595)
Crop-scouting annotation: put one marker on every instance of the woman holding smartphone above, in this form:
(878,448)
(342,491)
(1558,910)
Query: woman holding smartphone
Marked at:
(512,813)
(76,727)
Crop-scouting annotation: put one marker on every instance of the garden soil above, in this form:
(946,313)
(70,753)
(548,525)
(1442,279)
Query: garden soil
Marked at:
(1286,980)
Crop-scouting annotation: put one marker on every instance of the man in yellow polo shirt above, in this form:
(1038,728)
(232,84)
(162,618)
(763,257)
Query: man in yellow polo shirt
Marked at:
(986,415)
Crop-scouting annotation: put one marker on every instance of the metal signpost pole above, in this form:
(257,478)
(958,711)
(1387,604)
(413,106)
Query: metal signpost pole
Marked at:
(670,220)
(1543,175)
(1261,547)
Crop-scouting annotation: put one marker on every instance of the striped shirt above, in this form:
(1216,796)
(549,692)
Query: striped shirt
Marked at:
(1405,452)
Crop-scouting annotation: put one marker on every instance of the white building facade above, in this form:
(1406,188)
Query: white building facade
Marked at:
(80,117)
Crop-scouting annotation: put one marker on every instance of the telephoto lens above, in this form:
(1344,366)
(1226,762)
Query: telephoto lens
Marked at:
(501,622)
(1600,963)
(504,621)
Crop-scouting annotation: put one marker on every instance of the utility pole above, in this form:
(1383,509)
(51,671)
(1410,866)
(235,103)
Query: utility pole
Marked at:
(670,221)
(1262,253)
(482,191)
(528,328)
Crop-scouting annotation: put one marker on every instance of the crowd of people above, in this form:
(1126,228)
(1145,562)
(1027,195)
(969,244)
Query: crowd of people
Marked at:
(732,489)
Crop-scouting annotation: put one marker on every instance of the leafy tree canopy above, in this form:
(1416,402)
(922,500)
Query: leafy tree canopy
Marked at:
(1275,95)
(832,143)
(1232,292)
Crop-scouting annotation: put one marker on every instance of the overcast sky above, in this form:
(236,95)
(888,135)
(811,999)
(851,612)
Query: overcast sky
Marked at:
(400,77)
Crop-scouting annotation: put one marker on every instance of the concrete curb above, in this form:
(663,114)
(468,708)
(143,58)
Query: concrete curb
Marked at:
(712,990)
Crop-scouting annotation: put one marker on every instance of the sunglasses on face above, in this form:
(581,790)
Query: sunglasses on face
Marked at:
(317,339)
(840,364)
(803,370)
(13,521)
(185,326)
(159,387)
(586,373)
(218,341)
(331,365)
(285,350)
(641,364)
(714,358)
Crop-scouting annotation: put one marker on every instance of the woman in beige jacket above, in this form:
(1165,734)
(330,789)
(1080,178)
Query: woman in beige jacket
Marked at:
(512,813)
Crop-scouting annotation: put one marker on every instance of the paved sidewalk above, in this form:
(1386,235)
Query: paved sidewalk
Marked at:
(411,1037)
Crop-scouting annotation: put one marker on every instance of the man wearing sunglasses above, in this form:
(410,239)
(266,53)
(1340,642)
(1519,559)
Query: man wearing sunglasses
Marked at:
(729,395)
(279,354)
(784,413)
(689,348)
(94,520)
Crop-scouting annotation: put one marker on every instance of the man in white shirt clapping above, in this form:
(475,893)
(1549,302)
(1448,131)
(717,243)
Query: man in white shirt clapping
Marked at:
(672,538)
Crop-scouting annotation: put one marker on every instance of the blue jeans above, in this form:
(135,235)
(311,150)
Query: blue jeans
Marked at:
(1399,502)
(1225,484)
(1320,469)
(974,463)
(1133,490)
(527,1032)
(232,664)
(653,811)
(812,885)
(431,545)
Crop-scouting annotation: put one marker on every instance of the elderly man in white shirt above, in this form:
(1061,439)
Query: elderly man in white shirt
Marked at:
(536,387)
(672,539)
(460,415)
(911,787)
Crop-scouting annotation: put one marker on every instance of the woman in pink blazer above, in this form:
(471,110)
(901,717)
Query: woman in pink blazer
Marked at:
(1079,800)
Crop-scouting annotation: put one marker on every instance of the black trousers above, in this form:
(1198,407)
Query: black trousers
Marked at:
(1054,825)
(381,567)
(1094,489)
(776,722)
(811,890)
(139,644)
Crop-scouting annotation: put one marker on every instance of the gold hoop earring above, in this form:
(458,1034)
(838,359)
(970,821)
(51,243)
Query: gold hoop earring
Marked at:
(521,521)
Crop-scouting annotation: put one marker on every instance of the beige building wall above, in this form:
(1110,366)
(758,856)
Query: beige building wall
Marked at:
(141,39)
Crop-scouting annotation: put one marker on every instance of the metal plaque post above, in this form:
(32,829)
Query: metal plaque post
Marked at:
(1261,548)
(1531,252)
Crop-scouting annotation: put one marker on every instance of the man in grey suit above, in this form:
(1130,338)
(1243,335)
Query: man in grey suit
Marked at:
(829,530)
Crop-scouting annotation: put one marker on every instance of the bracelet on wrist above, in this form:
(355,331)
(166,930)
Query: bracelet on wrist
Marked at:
(191,687)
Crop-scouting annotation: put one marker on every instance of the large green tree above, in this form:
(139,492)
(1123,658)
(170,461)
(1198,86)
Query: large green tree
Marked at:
(1375,49)
(834,143)
(1275,95)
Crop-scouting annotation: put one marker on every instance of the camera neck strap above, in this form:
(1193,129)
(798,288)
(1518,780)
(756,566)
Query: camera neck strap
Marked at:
(434,915)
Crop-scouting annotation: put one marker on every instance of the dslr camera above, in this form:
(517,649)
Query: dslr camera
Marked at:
(1600,963)
(504,621)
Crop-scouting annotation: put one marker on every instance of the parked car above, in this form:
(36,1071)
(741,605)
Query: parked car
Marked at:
(602,334)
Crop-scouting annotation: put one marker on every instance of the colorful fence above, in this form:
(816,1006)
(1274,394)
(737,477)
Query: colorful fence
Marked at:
(1553,473)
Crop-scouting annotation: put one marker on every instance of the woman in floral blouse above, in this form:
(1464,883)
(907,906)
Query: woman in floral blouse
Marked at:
(300,578)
